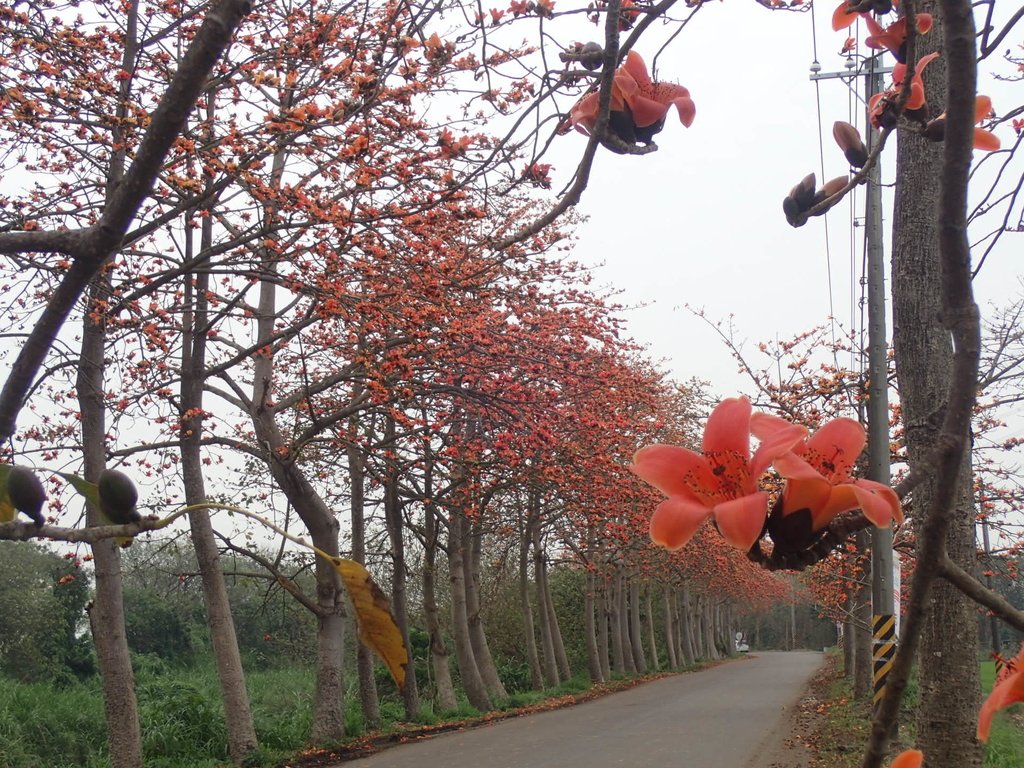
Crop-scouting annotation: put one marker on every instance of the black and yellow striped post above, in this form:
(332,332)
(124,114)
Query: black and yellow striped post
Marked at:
(883,628)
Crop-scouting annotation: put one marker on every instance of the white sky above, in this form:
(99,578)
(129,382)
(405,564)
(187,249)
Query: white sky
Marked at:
(700,221)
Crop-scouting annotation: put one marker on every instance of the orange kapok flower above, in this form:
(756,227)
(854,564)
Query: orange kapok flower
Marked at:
(1009,689)
(719,482)
(910,758)
(879,107)
(638,104)
(894,37)
(819,485)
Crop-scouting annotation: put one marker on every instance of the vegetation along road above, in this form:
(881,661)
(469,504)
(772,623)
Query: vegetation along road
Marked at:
(721,717)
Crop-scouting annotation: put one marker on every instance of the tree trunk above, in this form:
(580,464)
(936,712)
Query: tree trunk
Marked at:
(106,614)
(622,593)
(393,520)
(671,634)
(848,636)
(601,600)
(526,611)
(477,634)
(445,690)
(237,714)
(707,625)
(636,628)
(369,700)
(689,650)
(649,613)
(589,625)
(948,654)
(615,619)
(561,658)
(543,615)
(472,682)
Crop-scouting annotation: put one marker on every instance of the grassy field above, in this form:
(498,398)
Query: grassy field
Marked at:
(848,723)
(182,718)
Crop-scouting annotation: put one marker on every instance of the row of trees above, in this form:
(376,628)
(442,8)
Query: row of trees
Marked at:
(307,273)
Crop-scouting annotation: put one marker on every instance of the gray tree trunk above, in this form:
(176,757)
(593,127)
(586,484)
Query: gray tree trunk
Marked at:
(689,649)
(393,520)
(622,593)
(439,655)
(601,606)
(526,613)
(649,616)
(547,642)
(106,614)
(671,627)
(369,700)
(948,654)
(469,672)
(477,634)
(237,714)
(862,667)
(561,658)
(615,619)
(636,640)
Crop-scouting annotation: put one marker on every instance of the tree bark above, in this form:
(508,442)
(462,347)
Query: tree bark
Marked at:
(472,682)
(543,615)
(615,624)
(622,593)
(689,650)
(948,653)
(601,600)
(525,606)
(671,633)
(445,690)
(477,634)
(242,740)
(106,613)
(649,614)
(561,658)
(393,520)
(636,628)
(589,624)
(862,665)
(369,700)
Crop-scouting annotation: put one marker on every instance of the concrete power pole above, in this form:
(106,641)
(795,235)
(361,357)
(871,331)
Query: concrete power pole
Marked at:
(882,586)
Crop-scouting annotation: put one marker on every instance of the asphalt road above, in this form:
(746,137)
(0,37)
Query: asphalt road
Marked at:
(724,717)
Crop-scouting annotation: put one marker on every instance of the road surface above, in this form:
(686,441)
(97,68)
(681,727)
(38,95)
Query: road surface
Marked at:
(729,716)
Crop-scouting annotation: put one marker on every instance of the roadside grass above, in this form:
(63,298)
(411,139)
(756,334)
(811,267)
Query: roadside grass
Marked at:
(43,726)
(845,732)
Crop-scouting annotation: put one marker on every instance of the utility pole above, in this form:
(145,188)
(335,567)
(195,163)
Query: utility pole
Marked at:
(882,586)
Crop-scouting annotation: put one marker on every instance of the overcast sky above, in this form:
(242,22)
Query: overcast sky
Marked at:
(700,221)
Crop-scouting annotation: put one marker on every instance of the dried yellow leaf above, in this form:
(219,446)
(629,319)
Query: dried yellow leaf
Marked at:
(374,623)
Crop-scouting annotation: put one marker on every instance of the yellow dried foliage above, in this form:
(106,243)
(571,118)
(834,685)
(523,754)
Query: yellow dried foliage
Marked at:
(374,623)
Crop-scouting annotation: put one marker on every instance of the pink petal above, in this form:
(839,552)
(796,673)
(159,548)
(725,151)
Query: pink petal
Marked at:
(676,520)
(924,22)
(842,18)
(763,425)
(728,428)
(879,502)
(838,442)
(1007,690)
(777,445)
(982,107)
(812,495)
(986,140)
(646,111)
(794,467)
(740,521)
(673,470)
(637,69)
(687,110)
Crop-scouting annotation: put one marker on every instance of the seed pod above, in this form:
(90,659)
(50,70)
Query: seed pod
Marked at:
(592,56)
(848,139)
(803,193)
(26,493)
(118,497)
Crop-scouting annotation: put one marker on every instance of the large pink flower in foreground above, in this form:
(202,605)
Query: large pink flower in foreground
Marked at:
(1009,689)
(819,485)
(719,482)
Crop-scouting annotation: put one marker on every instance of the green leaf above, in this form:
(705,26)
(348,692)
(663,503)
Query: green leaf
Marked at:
(86,489)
